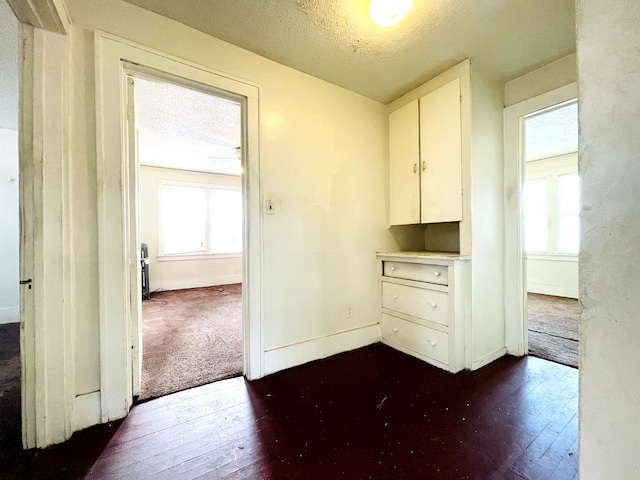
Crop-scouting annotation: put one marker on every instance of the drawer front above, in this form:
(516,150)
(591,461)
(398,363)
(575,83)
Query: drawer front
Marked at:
(418,302)
(418,272)
(420,339)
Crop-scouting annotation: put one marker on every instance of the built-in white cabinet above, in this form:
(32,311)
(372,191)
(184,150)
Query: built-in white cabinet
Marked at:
(422,306)
(446,172)
(425,158)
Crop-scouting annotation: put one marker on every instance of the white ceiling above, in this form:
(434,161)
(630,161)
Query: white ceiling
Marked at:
(186,129)
(335,40)
(551,133)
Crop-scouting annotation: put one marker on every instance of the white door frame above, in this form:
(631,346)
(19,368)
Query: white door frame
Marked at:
(514,174)
(113,58)
(132,187)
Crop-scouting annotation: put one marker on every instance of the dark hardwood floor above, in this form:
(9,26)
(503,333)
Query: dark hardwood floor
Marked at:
(371,413)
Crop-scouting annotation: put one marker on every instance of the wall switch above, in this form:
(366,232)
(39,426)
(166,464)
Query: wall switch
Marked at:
(271,207)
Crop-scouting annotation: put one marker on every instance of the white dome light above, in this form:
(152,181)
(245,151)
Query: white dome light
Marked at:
(388,12)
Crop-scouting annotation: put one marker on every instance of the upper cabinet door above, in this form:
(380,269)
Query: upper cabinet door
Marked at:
(404,164)
(441,155)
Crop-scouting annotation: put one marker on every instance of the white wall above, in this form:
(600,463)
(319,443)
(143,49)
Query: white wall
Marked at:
(8,68)
(553,275)
(487,219)
(176,274)
(322,161)
(9,227)
(549,77)
(609,116)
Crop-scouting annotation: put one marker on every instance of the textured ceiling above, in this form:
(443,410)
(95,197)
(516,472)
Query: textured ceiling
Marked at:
(186,129)
(553,132)
(335,40)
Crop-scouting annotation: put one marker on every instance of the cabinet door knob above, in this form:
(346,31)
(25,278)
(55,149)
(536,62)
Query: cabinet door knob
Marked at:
(395,297)
(433,344)
(433,305)
(415,168)
(395,330)
(436,273)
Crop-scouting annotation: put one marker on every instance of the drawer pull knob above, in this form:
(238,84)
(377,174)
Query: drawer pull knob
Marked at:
(395,297)
(433,305)
(436,273)
(393,269)
(433,344)
(395,330)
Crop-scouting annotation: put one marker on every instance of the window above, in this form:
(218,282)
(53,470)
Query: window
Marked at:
(552,206)
(568,213)
(535,215)
(199,219)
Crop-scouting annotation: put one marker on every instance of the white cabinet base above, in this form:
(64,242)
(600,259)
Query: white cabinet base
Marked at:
(423,312)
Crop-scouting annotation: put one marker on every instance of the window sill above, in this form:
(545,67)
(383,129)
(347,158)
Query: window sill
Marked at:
(558,257)
(203,256)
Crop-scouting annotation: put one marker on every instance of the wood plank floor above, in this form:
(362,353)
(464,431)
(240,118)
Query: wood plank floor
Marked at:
(371,413)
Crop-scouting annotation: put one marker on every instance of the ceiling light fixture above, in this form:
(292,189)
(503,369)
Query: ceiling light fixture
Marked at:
(388,12)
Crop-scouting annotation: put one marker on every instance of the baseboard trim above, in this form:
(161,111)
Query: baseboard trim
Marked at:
(10,314)
(195,282)
(555,290)
(304,352)
(487,359)
(87,411)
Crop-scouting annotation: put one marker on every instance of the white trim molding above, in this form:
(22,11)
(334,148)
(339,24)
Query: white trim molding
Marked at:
(296,354)
(46,338)
(514,175)
(49,15)
(10,314)
(115,58)
(197,282)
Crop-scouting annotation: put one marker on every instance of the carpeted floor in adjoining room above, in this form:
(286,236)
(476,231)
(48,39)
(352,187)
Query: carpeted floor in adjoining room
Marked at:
(190,338)
(554,328)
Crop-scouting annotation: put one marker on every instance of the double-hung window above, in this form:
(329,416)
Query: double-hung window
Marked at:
(199,220)
(552,206)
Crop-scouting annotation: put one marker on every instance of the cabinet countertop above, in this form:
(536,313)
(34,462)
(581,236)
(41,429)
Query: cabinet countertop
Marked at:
(424,255)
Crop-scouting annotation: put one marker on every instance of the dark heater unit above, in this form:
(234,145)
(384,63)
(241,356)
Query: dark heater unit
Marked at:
(144,261)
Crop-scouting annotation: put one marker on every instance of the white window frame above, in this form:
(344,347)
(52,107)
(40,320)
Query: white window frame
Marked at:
(551,169)
(207,254)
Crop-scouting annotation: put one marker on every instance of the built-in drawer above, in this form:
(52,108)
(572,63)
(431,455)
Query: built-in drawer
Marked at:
(420,302)
(417,271)
(420,339)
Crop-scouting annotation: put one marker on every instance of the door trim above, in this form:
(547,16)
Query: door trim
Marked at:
(46,315)
(112,56)
(514,166)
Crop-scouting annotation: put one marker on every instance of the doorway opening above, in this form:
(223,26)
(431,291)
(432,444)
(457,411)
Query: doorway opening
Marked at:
(187,145)
(10,362)
(551,206)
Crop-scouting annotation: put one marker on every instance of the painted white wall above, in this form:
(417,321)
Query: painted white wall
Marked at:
(552,275)
(323,163)
(9,226)
(487,220)
(549,77)
(609,115)
(8,68)
(176,274)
